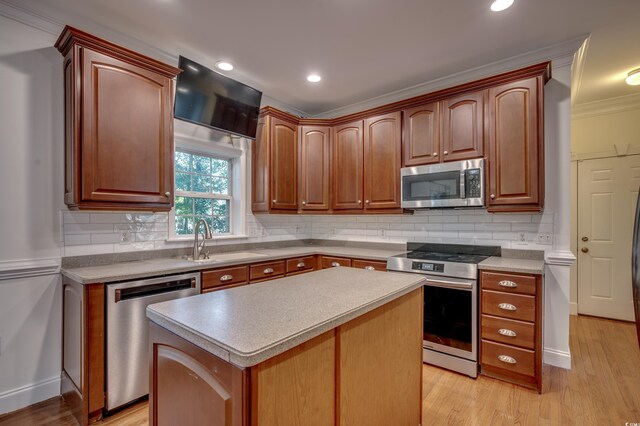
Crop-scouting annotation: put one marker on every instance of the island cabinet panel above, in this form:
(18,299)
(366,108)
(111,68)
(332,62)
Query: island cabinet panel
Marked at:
(380,365)
(346,166)
(191,387)
(463,127)
(119,126)
(260,167)
(315,172)
(284,165)
(516,149)
(382,161)
(297,387)
(421,143)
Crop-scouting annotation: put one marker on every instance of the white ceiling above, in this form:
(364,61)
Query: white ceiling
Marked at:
(364,48)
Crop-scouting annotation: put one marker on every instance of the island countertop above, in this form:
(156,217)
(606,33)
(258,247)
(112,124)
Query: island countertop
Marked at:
(250,324)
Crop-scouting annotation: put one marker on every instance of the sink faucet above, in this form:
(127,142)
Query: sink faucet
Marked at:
(197,249)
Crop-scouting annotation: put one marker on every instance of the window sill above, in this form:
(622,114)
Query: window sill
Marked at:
(220,238)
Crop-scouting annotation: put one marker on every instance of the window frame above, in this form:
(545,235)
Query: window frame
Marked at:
(234,152)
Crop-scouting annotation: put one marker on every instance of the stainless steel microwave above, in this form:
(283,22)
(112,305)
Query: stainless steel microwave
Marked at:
(455,184)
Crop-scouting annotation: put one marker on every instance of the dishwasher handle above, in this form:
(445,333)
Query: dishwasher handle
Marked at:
(123,294)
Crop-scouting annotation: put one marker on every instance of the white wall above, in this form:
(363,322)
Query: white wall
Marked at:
(31,153)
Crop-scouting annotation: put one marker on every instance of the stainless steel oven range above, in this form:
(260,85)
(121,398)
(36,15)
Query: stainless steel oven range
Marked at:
(450,329)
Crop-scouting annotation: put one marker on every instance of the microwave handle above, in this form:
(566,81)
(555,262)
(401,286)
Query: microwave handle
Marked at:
(463,181)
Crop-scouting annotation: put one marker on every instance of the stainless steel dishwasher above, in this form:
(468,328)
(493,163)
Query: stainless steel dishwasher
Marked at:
(128,331)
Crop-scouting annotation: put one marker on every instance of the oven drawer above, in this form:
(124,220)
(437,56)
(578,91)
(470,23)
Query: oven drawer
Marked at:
(508,358)
(224,277)
(266,271)
(514,306)
(509,283)
(511,332)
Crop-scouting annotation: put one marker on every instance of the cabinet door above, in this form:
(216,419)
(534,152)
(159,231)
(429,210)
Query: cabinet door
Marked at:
(463,127)
(346,166)
(314,168)
(284,165)
(382,146)
(421,143)
(516,157)
(260,168)
(127,133)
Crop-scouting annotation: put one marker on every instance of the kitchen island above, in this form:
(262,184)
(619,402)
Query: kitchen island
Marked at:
(339,345)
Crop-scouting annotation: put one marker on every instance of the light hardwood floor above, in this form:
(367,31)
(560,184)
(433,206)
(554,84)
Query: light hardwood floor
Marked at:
(602,388)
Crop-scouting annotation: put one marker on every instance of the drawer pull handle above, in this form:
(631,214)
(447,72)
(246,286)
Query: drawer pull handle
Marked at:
(507,284)
(507,307)
(507,332)
(507,359)
(369,268)
(226,278)
(268,271)
(333,264)
(301,265)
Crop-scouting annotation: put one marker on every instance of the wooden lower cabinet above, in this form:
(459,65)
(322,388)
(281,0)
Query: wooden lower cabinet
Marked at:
(344,376)
(369,264)
(511,327)
(332,262)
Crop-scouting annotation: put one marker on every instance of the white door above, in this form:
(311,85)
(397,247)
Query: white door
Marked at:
(607,195)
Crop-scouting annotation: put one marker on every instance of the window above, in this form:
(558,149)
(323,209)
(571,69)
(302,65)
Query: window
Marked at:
(203,191)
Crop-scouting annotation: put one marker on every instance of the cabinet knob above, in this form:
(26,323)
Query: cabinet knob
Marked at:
(273,201)
(493,196)
(435,154)
(268,271)
(507,332)
(167,194)
(446,153)
(507,307)
(301,265)
(359,201)
(506,359)
(334,264)
(226,278)
(366,201)
(304,203)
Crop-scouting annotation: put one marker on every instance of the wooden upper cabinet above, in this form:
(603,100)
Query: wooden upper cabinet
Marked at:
(516,150)
(260,168)
(346,165)
(382,146)
(421,135)
(314,167)
(119,126)
(463,127)
(283,165)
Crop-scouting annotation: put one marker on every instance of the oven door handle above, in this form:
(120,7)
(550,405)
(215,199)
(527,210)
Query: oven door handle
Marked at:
(450,284)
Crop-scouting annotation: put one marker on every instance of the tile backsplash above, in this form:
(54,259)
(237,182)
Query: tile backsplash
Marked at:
(114,232)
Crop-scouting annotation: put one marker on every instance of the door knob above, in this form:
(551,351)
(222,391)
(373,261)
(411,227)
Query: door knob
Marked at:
(585,250)
(585,239)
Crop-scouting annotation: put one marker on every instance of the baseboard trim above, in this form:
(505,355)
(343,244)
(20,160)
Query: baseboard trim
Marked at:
(557,358)
(573,308)
(14,269)
(16,399)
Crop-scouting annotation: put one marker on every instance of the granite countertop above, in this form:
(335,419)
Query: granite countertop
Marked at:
(513,264)
(163,266)
(250,324)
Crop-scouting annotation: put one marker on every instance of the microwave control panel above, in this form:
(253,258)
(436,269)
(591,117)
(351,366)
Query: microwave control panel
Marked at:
(474,187)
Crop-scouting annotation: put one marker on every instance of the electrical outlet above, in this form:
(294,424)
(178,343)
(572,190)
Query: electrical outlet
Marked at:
(125,236)
(544,238)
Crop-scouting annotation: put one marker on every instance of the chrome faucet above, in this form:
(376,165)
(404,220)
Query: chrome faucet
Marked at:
(197,250)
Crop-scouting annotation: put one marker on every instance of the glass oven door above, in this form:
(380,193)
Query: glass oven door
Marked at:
(450,317)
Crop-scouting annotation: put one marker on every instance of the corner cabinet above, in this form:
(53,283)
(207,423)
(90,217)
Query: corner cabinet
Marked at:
(515,169)
(118,126)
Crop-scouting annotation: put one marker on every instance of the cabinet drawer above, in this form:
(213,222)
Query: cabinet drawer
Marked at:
(511,332)
(301,264)
(508,358)
(523,284)
(515,306)
(222,287)
(224,277)
(267,270)
(369,264)
(329,262)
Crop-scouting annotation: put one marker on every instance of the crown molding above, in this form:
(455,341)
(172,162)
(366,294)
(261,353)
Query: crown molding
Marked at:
(560,55)
(605,106)
(14,269)
(30,18)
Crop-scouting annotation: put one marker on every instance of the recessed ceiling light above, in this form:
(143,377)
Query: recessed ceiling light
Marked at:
(500,5)
(633,78)
(314,78)
(224,66)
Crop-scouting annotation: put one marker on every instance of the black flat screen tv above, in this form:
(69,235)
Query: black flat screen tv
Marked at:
(211,99)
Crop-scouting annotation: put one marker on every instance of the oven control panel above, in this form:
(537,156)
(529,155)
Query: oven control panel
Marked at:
(427,267)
